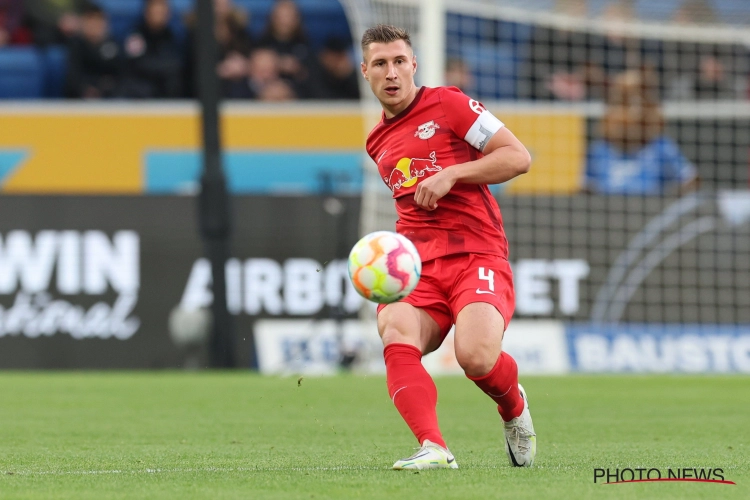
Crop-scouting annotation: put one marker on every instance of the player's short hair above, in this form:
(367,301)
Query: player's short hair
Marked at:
(384,33)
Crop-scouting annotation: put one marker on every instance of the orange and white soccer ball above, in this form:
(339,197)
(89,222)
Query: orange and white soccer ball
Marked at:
(384,267)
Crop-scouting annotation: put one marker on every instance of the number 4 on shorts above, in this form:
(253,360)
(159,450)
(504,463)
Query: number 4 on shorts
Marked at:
(488,276)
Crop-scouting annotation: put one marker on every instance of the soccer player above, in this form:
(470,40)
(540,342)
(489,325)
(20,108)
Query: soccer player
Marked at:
(437,150)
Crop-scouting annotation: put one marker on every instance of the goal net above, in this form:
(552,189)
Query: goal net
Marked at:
(637,116)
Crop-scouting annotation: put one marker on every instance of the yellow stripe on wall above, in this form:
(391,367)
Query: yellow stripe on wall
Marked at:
(557,146)
(72,151)
(103,154)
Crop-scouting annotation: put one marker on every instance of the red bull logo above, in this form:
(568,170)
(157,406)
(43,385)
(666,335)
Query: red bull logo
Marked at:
(409,170)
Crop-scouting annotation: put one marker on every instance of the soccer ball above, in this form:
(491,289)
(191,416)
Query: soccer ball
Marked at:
(384,267)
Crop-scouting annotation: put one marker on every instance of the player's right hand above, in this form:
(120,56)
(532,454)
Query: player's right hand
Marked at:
(431,189)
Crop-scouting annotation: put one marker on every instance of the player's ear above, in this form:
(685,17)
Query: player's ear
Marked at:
(414,63)
(363,69)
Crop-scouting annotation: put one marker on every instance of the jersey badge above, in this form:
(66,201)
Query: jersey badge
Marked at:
(426,130)
(476,106)
(409,170)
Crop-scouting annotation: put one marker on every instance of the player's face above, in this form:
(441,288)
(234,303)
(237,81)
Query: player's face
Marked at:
(390,68)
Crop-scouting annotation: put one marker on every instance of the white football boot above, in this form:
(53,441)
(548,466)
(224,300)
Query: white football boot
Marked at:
(520,438)
(429,456)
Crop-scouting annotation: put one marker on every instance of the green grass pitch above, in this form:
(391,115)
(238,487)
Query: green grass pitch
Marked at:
(239,435)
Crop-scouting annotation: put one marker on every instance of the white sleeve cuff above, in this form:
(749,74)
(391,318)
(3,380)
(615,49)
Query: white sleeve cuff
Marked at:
(482,130)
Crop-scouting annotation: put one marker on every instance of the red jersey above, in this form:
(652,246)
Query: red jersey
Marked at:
(441,128)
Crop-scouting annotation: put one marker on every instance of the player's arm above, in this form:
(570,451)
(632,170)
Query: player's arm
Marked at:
(504,158)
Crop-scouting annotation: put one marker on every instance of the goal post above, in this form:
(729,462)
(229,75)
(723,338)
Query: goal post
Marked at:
(431,55)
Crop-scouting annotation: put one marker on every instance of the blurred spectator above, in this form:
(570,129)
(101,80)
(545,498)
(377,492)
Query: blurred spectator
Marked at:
(12,30)
(336,76)
(714,80)
(711,71)
(458,74)
(54,21)
(234,44)
(695,12)
(555,68)
(154,59)
(559,58)
(573,65)
(706,70)
(286,35)
(633,155)
(263,80)
(617,51)
(94,58)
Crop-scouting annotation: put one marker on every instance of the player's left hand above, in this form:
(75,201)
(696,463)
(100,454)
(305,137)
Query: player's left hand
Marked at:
(431,189)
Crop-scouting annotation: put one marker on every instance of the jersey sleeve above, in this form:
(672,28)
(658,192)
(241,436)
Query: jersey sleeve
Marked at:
(468,118)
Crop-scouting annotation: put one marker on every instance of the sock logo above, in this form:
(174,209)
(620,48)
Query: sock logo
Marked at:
(394,394)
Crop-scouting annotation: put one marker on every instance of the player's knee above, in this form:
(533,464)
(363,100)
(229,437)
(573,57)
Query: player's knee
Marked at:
(475,361)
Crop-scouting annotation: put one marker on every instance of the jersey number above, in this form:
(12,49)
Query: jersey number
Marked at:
(488,276)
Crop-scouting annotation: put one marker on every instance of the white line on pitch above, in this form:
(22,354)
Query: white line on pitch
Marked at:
(233,469)
(179,471)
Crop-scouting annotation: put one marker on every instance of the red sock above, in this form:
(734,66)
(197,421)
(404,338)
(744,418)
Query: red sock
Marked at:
(501,384)
(412,390)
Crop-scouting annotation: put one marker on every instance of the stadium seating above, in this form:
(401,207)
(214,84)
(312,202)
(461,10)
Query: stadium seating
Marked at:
(493,51)
(321,18)
(21,73)
(123,15)
(29,73)
(54,59)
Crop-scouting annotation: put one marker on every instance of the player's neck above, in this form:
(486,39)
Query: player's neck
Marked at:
(391,111)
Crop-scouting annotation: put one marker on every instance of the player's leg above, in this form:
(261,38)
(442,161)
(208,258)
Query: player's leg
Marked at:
(408,332)
(480,326)
(478,345)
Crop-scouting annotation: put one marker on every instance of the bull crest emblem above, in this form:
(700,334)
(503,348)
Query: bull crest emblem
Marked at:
(426,130)
(409,170)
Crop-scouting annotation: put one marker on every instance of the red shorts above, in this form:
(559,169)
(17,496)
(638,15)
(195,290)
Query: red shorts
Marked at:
(450,283)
